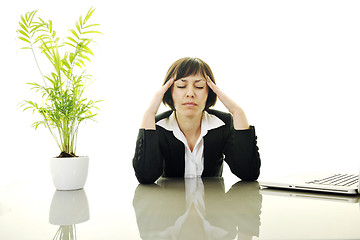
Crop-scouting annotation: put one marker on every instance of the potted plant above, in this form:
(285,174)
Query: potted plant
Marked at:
(63,106)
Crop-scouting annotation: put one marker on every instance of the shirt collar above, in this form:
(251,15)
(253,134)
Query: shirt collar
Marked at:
(208,122)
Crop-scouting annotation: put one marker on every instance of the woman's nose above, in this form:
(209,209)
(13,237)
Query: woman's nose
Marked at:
(190,92)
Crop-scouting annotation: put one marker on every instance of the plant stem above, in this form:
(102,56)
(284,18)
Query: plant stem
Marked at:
(37,64)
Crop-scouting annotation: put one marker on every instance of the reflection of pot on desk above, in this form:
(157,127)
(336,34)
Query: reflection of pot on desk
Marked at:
(67,209)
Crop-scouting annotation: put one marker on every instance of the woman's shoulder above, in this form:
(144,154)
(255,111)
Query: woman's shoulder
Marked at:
(224,116)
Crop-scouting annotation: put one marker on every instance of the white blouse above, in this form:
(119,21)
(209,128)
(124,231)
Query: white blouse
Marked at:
(194,160)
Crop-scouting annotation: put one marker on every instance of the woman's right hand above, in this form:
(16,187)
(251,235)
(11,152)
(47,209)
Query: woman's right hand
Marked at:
(149,116)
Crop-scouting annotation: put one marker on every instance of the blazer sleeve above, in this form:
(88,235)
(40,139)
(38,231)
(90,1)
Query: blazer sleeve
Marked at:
(242,154)
(148,160)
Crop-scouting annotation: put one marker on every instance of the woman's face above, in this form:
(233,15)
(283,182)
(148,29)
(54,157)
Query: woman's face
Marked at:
(189,95)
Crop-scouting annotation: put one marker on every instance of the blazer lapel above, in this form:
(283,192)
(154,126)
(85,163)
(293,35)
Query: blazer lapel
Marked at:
(212,152)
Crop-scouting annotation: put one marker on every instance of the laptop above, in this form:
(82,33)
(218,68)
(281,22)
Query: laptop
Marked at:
(332,197)
(331,183)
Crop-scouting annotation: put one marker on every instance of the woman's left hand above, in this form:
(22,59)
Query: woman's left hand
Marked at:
(240,120)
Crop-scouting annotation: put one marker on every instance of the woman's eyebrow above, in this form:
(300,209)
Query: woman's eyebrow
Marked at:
(198,80)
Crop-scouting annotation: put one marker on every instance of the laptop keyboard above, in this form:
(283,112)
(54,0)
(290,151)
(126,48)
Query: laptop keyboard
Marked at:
(338,180)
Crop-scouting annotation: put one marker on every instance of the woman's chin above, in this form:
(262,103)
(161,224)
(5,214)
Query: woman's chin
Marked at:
(190,113)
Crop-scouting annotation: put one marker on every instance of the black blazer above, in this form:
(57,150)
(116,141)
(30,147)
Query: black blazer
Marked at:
(159,153)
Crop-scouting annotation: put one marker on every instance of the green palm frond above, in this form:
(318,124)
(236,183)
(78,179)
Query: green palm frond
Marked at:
(63,106)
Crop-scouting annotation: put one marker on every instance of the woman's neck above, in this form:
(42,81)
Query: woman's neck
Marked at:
(190,127)
(188,124)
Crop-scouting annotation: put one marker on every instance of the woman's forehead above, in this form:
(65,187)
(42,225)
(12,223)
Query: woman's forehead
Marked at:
(192,78)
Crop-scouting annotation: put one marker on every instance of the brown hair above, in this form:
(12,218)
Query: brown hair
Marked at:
(186,67)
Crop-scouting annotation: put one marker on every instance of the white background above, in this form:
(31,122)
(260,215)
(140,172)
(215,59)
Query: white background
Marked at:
(292,65)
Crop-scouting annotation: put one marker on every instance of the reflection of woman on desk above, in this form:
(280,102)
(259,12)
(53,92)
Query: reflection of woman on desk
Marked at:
(197,208)
(191,140)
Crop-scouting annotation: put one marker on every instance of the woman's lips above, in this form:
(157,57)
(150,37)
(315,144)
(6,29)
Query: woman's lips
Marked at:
(190,104)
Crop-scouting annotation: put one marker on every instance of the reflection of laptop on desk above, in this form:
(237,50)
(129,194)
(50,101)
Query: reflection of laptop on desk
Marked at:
(335,183)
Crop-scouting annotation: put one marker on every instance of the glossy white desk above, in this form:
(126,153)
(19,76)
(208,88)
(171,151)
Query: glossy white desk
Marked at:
(173,209)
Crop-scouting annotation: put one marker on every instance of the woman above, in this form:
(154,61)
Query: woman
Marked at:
(191,140)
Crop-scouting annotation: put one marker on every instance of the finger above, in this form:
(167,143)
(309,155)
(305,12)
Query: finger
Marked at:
(171,81)
(210,83)
(167,85)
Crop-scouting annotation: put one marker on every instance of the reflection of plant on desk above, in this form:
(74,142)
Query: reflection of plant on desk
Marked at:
(67,209)
(66,233)
(63,106)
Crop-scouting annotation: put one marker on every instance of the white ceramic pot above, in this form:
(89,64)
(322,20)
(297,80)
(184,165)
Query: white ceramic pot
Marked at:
(69,173)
